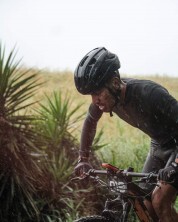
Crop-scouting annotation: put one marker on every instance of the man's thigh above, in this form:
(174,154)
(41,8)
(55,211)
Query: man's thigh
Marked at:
(157,157)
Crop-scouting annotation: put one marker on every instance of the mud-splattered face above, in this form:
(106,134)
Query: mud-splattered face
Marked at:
(103,99)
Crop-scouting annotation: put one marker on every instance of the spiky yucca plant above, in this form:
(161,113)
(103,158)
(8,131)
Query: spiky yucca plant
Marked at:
(18,170)
(58,118)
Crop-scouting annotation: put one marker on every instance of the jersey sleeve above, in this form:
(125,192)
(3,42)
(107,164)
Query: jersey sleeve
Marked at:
(89,127)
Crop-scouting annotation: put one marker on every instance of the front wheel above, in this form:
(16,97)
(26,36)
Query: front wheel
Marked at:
(94,219)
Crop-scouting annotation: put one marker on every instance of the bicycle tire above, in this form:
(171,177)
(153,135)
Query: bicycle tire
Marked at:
(94,218)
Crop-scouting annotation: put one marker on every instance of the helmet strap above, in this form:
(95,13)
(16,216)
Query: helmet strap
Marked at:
(116,96)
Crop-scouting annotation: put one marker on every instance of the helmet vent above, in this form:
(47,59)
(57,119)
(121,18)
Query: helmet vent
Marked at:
(92,61)
(83,61)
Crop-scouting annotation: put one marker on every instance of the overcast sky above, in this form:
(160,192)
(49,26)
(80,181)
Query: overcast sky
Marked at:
(56,34)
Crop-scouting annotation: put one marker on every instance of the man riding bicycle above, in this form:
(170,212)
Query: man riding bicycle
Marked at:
(143,104)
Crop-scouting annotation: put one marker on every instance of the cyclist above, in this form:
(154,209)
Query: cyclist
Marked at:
(143,104)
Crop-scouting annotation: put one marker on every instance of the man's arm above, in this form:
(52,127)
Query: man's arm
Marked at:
(87,137)
(89,131)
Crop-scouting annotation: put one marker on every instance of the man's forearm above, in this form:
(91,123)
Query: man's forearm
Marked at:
(87,137)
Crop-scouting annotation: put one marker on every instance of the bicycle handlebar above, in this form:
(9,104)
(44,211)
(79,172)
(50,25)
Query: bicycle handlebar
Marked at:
(112,170)
(124,173)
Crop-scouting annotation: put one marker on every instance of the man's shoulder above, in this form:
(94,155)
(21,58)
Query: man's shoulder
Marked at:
(143,88)
(133,80)
(141,82)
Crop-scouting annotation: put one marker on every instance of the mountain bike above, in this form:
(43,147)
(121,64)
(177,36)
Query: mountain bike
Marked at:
(124,193)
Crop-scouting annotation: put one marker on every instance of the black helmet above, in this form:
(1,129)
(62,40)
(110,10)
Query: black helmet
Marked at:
(95,69)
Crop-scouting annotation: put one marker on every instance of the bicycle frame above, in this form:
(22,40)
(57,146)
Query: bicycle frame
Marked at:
(129,194)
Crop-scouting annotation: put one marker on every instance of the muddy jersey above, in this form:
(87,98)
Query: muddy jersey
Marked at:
(147,106)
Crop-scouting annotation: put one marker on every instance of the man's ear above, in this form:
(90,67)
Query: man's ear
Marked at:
(115,83)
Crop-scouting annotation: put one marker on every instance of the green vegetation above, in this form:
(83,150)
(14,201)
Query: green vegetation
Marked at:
(17,140)
(40,126)
(35,165)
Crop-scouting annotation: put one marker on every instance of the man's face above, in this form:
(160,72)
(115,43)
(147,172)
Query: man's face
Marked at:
(103,99)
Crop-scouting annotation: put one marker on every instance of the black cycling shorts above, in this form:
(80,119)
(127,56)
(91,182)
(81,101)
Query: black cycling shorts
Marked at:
(158,158)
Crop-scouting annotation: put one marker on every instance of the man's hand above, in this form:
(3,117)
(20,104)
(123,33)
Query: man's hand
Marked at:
(169,173)
(81,168)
